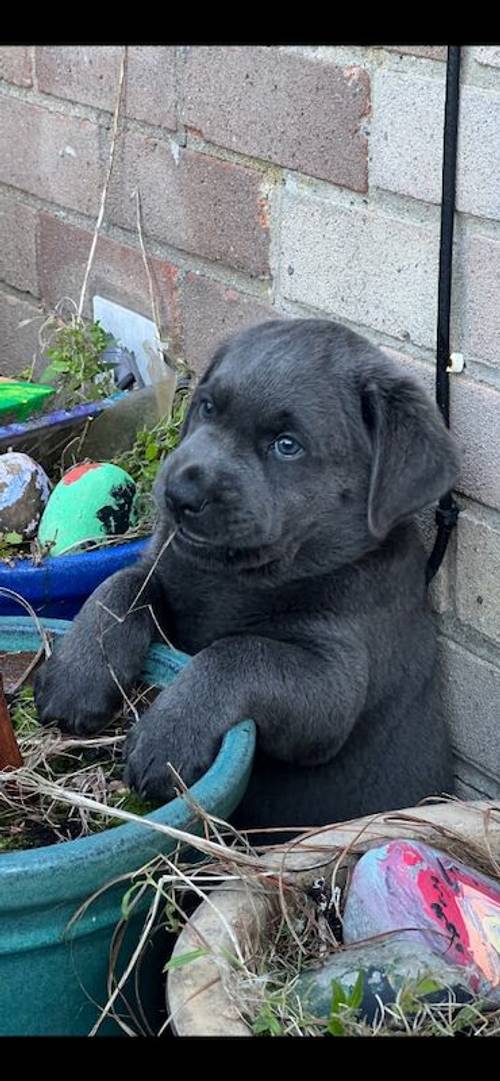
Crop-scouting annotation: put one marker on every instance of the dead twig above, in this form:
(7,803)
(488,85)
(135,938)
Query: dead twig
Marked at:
(116,117)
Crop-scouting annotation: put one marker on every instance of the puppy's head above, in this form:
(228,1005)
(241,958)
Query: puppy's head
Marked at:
(304,446)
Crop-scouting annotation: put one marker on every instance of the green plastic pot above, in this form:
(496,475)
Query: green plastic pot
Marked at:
(53,976)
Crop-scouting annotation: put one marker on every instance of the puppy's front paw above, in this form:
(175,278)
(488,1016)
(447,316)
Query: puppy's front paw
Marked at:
(160,738)
(69,697)
(146,770)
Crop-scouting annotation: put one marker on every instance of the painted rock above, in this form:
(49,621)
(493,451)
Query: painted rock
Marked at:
(435,901)
(24,491)
(385,967)
(90,502)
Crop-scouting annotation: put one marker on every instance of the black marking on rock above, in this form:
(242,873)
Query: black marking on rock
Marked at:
(115,517)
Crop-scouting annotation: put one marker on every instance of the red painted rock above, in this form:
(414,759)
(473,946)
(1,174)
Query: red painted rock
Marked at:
(434,900)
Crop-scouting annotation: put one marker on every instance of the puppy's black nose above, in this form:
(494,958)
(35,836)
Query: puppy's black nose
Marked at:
(186,494)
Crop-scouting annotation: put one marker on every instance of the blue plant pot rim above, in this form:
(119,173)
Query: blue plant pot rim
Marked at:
(17,634)
(58,417)
(108,553)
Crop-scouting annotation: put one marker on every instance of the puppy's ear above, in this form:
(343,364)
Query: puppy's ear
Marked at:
(415,460)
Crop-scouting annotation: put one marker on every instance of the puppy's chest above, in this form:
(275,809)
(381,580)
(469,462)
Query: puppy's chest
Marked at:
(204,612)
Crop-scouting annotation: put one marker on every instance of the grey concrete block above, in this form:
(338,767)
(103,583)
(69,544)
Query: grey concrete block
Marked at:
(373,268)
(478,575)
(406,141)
(470,700)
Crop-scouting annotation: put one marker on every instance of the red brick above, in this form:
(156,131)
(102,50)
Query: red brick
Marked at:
(89,74)
(16,64)
(192,201)
(83,73)
(18,244)
(118,272)
(431,52)
(50,155)
(17,343)
(211,312)
(151,89)
(286,108)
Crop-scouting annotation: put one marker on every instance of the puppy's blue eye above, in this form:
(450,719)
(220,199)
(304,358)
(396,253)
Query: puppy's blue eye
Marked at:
(206,409)
(287,447)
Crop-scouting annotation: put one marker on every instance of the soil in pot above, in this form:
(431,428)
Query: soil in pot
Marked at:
(30,814)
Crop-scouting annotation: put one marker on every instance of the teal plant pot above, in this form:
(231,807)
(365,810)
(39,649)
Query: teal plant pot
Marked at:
(53,977)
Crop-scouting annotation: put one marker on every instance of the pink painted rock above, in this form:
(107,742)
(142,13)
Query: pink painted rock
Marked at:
(434,900)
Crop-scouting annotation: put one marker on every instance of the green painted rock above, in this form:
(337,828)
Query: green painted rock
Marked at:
(91,502)
(24,491)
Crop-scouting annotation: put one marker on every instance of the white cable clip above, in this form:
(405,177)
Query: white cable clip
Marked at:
(456,363)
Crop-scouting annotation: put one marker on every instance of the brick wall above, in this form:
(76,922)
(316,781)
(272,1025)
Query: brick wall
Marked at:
(299,180)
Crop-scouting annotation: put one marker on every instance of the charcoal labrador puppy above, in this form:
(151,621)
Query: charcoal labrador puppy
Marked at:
(286,561)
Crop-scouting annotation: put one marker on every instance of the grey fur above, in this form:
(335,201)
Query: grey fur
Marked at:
(305,608)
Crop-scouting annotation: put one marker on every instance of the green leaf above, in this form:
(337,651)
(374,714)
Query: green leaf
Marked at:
(335,1027)
(356,996)
(464,1018)
(13,538)
(60,366)
(230,957)
(342,997)
(427,986)
(266,1023)
(173,922)
(184,959)
(126,905)
(275,1026)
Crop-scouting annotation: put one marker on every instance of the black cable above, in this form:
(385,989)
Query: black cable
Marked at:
(447,510)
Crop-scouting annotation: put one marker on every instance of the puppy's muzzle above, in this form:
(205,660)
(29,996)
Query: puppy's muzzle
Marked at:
(187,494)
